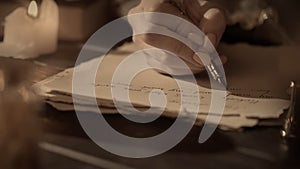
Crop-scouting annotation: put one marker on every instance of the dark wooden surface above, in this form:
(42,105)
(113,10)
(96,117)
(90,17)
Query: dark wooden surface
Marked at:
(254,148)
(259,148)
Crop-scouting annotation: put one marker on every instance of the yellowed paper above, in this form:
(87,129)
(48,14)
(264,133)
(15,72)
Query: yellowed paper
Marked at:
(237,113)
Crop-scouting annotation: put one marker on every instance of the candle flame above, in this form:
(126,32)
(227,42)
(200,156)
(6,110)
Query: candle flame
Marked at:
(33,9)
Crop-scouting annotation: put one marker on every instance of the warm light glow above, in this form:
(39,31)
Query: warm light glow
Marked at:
(33,9)
(292,84)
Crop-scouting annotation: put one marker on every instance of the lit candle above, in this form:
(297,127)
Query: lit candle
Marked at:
(33,9)
(31,32)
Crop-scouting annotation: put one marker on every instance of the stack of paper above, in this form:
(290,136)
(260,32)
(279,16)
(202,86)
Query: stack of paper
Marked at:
(239,111)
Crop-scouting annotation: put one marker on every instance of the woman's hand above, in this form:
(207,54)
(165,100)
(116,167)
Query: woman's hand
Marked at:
(208,17)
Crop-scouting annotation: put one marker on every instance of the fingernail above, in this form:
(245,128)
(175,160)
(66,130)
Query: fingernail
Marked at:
(212,12)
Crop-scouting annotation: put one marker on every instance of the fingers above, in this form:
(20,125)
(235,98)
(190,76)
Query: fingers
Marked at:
(163,42)
(196,9)
(163,6)
(209,17)
(172,29)
(166,61)
(180,31)
(213,25)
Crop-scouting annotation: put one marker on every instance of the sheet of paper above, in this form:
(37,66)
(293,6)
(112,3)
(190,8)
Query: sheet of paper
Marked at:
(70,107)
(59,88)
(227,122)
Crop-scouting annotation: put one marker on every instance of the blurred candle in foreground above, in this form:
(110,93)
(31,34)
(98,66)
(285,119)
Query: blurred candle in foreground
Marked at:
(31,32)
(20,129)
